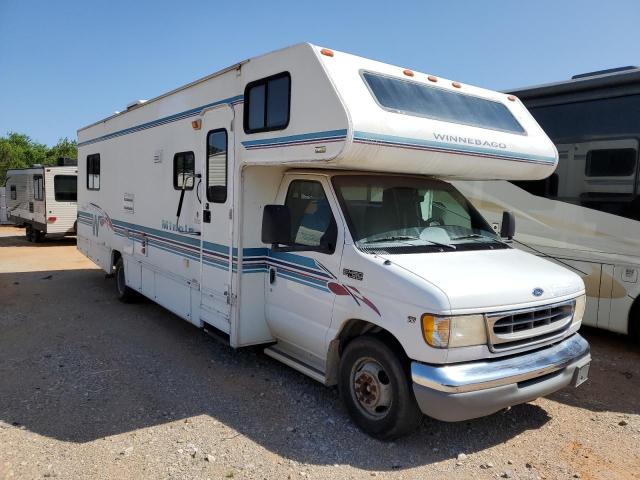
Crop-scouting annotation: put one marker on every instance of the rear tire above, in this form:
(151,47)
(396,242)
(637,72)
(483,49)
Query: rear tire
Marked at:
(125,294)
(28,233)
(377,390)
(634,322)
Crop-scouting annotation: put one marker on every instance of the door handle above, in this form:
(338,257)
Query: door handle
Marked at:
(272,275)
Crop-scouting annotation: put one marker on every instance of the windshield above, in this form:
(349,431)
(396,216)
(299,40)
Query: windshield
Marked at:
(410,214)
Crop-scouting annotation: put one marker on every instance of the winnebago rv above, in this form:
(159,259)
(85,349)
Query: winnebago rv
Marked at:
(586,215)
(43,198)
(300,200)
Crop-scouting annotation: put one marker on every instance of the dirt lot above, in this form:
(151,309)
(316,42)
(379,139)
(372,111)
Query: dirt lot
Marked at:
(92,388)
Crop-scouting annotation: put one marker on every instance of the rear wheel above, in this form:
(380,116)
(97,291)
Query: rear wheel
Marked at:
(125,294)
(634,321)
(376,389)
(28,233)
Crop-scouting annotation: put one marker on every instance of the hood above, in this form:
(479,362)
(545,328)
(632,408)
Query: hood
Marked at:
(486,280)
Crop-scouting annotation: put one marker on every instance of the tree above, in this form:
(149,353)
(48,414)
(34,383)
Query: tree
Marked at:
(18,150)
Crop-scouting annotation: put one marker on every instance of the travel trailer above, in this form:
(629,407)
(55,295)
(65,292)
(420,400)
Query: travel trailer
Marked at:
(300,200)
(43,199)
(586,215)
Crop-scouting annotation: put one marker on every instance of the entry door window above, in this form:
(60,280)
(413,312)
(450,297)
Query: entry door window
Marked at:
(312,222)
(217,166)
(38,187)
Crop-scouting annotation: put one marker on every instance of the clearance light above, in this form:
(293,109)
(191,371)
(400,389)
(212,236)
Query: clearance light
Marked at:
(51,219)
(196,124)
(435,330)
(578,313)
(431,78)
(456,84)
(326,52)
(512,98)
(407,72)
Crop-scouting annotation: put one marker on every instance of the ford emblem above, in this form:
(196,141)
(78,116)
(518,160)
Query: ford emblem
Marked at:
(537,292)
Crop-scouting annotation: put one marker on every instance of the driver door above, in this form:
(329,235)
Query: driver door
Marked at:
(299,299)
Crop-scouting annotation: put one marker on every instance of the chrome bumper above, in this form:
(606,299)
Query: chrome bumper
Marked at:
(470,390)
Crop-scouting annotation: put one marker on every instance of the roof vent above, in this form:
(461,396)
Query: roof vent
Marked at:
(135,103)
(604,72)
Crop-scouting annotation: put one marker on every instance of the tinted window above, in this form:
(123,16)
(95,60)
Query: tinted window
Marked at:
(312,223)
(183,170)
(14,194)
(267,104)
(619,162)
(65,188)
(422,100)
(38,188)
(217,166)
(93,171)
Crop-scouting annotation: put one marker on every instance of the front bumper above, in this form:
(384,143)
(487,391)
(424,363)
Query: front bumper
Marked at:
(469,390)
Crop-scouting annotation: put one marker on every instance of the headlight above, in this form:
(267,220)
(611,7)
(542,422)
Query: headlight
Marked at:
(454,331)
(578,313)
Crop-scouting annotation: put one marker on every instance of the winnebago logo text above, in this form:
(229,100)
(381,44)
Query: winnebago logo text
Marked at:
(468,141)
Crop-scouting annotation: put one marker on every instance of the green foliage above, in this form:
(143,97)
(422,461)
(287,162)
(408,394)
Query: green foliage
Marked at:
(18,150)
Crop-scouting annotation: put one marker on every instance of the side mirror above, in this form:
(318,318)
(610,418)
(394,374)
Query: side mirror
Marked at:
(276,225)
(508,228)
(217,193)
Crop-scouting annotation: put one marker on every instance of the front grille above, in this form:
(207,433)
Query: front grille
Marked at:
(525,327)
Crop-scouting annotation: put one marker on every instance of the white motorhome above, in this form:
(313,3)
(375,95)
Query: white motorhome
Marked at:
(300,200)
(586,215)
(43,198)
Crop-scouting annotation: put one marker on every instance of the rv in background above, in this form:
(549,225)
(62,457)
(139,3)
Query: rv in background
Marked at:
(44,199)
(299,200)
(586,215)
(4,216)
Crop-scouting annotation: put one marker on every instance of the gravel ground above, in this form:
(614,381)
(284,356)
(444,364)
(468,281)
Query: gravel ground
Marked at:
(92,388)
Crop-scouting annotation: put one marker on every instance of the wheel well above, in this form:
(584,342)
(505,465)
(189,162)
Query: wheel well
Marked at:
(352,329)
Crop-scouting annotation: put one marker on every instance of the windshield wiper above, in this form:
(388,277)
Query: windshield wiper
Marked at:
(475,235)
(392,239)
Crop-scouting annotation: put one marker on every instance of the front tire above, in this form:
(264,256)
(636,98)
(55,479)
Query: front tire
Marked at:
(377,390)
(125,294)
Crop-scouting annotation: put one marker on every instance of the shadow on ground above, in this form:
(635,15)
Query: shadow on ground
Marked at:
(21,241)
(77,365)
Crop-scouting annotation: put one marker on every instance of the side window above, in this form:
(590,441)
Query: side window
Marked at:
(267,104)
(184,170)
(38,190)
(613,162)
(65,188)
(312,223)
(93,171)
(217,166)
(14,194)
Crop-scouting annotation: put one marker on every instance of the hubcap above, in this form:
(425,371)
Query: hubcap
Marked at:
(371,388)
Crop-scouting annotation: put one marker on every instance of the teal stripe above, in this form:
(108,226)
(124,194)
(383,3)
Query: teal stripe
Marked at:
(161,121)
(297,138)
(454,147)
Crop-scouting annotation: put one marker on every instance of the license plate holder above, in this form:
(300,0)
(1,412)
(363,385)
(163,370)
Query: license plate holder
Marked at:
(581,375)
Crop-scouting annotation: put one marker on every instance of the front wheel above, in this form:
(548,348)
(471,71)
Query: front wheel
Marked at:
(376,389)
(125,294)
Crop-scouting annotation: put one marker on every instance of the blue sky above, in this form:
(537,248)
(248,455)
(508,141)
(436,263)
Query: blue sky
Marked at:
(64,64)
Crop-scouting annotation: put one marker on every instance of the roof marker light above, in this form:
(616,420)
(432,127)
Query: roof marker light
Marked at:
(327,52)
(196,124)
(456,84)
(431,78)
(512,98)
(408,72)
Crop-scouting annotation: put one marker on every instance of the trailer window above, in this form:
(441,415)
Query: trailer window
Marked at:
(38,187)
(65,188)
(217,166)
(184,170)
(14,194)
(312,223)
(418,99)
(93,171)
(267,104)
(613,162)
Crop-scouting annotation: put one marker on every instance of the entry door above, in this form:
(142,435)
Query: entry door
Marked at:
(217,194)
(300,284)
